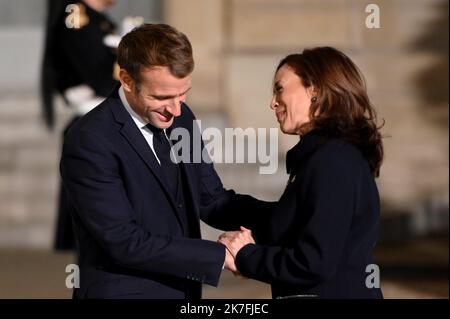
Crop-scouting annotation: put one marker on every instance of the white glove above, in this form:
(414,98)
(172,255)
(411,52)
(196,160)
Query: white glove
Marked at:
(128,24)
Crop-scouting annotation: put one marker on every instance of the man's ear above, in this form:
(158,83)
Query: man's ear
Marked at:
(126,81)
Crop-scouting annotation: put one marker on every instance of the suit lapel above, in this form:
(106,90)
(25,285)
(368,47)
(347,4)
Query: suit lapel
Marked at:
(189,174)
(188,168)
(131,133)
(134,137)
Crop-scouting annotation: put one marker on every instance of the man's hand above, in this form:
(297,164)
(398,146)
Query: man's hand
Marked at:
(235,240)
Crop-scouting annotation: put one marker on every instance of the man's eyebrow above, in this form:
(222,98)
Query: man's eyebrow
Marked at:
(165,97)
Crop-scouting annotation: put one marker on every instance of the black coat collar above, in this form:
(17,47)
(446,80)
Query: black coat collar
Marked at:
(307,145)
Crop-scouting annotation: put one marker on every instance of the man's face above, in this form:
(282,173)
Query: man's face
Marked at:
(159,96)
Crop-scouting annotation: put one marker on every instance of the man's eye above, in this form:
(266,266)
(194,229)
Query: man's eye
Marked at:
(160,98)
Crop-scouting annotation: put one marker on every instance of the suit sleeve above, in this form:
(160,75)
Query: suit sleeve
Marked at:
(224,209)
(92,179)
(314,255)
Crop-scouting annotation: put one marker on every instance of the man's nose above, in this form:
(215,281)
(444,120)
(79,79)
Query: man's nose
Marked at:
(174,106)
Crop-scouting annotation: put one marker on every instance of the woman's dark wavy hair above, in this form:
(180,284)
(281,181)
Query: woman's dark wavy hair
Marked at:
(342,108)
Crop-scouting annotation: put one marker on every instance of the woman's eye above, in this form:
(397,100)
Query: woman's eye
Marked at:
(278,89)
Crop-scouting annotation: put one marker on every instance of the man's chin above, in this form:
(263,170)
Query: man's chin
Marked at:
(163,124)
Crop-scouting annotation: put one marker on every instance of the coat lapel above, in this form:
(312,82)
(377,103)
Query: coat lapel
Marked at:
(134,137)
(188,168)
(131,133)
(189,174)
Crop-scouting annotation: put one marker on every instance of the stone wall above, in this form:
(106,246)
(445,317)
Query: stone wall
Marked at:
(239,42)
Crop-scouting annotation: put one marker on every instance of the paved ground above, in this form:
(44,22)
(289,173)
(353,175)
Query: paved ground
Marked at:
(416,270)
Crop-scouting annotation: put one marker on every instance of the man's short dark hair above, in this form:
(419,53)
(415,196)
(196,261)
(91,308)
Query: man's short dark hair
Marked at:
(151,45)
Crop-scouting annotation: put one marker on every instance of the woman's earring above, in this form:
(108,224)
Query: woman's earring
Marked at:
(314,99)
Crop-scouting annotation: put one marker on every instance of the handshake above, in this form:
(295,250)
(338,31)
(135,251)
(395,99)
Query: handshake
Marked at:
(234,241)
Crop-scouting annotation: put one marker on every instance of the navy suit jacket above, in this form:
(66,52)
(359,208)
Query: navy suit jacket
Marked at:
(132,241)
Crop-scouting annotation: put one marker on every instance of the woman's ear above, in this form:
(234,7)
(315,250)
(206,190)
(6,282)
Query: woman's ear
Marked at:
(312,94)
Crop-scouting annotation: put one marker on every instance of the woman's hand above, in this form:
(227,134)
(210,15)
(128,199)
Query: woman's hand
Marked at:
(235,240)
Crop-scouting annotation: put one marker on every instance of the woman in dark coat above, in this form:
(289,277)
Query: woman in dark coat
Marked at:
(319,237)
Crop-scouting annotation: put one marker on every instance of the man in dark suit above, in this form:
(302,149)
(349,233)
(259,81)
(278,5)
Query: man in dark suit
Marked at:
(136,212)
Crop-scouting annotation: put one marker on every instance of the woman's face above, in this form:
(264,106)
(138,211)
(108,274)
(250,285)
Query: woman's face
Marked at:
(291,100)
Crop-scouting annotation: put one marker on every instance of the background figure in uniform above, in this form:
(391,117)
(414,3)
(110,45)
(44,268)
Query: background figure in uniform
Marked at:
(79,65)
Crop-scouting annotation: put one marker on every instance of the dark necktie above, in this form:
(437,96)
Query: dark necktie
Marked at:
(162,146)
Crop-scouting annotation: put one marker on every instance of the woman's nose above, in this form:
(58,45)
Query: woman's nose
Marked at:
(273,103)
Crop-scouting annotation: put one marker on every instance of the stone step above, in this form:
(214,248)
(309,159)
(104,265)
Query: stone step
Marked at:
(20,212)
(38,235)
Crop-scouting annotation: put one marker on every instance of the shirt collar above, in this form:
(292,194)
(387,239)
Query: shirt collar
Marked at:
(136,118)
